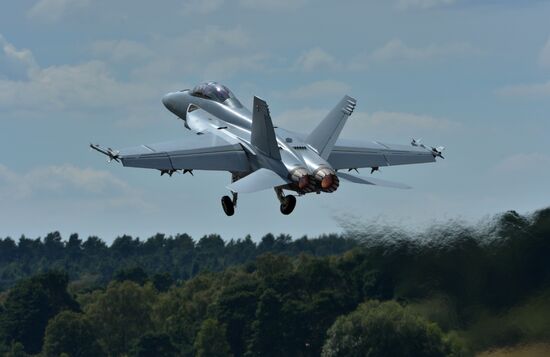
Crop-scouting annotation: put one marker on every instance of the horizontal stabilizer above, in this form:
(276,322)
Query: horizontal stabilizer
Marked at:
(371,181)
(259,180)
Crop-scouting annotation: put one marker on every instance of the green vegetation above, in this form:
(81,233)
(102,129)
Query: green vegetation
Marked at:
(453,290)
(384,329)
(91,263)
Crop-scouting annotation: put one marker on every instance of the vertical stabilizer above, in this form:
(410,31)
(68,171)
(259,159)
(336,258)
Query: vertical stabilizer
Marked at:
(323,137)
(262,134)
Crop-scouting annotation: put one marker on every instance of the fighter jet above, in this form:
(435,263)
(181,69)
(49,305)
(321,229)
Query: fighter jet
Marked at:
(259,156)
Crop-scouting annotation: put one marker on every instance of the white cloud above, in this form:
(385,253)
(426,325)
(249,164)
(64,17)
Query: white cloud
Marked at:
(396,50)
(279,5)
(526,90)
(532,90)
(69,186)
(73,185)
(423,4)
(86,85)
(57,180)
(50,11)
(227,66)
(79,86)
(15,63)
(222,52)
(393,51)
(522,163)
(372,124)
(315,58)
(191,7)
(319,89)
(121,50)
(400,120)
(544,56)
(303,119)
(211,38)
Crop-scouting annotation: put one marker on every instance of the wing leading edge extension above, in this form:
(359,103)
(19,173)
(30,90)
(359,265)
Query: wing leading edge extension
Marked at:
(201,152)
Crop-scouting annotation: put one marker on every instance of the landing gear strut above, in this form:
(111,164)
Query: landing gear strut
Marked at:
(228,203)
(287,202)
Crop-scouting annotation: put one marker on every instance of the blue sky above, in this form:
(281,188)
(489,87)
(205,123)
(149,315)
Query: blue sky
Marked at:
(473,76)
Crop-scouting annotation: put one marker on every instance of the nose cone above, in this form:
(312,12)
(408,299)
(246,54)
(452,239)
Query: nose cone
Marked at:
(169,101)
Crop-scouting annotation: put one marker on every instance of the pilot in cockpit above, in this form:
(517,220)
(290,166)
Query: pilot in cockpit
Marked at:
(217,92)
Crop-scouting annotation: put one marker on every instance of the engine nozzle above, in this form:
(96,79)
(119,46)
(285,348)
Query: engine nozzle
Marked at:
(301,178)
(327,179)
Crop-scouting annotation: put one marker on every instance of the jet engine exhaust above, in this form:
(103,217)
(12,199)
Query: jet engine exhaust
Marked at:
(301,177)
(327,178)
(326,182)
(303,182)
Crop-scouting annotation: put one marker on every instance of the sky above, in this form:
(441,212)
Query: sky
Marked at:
(473,76)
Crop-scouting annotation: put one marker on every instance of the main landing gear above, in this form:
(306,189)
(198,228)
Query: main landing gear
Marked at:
(287,202)
(229,204)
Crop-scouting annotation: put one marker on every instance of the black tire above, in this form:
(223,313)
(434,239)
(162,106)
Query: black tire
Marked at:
(227,205)
(288,204)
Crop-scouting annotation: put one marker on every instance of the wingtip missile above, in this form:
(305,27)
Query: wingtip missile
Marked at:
(110,153)
(437,151)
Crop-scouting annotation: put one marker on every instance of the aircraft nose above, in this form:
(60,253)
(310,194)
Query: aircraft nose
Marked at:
(168,101)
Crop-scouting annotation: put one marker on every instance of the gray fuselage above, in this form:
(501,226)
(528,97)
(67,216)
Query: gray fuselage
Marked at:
(232,121)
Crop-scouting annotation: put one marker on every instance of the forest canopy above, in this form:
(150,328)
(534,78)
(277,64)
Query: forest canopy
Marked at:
(451,290)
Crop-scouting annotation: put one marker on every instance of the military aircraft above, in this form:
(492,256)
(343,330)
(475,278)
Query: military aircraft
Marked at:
(259,156)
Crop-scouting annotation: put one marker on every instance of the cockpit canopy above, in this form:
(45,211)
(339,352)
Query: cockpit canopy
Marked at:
(217,92)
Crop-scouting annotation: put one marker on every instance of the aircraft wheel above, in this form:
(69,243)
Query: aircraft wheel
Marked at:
(227,205)
(287,205)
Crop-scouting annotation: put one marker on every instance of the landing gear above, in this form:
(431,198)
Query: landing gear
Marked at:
(228,206)
(229,203)
(287,202)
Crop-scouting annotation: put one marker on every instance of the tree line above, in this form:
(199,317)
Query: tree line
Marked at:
(181,257)
(451,290)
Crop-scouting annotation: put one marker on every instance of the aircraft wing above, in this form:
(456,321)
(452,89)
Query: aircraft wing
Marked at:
(198,152)
(348,154)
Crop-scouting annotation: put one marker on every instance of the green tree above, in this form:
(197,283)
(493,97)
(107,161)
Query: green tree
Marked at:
(268,327)
(384,329)
(29,306)
(180,311)
(162,282)
(135,274)
(153,345)
(73,334)
(15,350)
(211,340)
(121,315)
(237,309)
